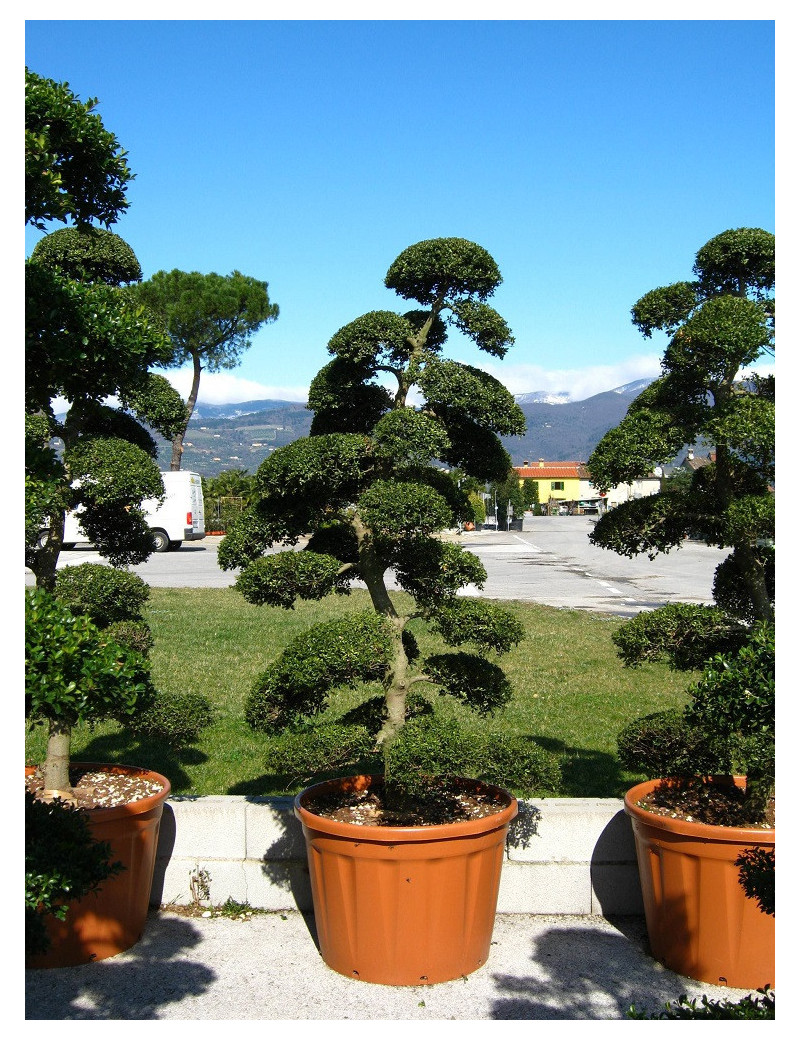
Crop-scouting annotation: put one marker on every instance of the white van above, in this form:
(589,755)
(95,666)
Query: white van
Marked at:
(180,518)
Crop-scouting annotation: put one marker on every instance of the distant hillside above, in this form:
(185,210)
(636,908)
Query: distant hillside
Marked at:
(241,435)
(570,429)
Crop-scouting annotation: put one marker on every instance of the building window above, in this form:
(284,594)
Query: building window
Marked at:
(556,485)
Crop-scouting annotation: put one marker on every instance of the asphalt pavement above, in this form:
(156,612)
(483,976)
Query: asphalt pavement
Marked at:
(551,561)
(269,968)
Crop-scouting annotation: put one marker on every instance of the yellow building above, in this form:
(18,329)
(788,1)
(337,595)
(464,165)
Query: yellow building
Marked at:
(559,482)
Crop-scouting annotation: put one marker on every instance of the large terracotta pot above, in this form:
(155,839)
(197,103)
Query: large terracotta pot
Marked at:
(699,921)
(102,925)
(405,906)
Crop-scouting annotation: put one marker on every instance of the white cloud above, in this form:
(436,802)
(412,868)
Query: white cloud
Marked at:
(225,388)
(579,383)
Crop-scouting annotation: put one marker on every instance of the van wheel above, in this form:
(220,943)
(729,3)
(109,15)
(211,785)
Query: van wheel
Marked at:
(161,539)
(41,541)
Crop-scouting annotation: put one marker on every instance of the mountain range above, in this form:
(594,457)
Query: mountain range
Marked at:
(241,435)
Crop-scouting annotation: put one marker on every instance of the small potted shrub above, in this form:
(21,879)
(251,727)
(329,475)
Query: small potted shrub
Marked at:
(705,824)
(404,852)
(719,324)
(74,672)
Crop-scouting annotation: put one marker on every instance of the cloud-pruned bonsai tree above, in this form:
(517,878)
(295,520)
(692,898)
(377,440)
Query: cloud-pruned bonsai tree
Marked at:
(719,325)
(369,487)
(86,339)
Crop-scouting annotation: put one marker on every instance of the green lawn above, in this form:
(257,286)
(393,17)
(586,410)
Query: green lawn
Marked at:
(572,693)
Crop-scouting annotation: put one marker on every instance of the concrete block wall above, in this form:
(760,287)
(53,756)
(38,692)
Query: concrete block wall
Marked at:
(563,856)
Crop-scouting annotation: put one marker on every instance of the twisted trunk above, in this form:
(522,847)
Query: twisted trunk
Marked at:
(372,570)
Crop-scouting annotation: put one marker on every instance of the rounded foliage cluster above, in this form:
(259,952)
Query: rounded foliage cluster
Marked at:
(664,744)
(175,718)
(73,671)
(395,509)
(105,594)
(88,254)
(280,579)
(439,268)
(341,652)
(310,753)
(492,627)
(737,258)
(684,634)
(429,747)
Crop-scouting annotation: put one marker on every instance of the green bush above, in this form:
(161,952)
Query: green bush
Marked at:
(664,744)
(341,652)
(105,594)
(684,634)
(135,635)
(73,671)
(315,750)
(175,718)
(62,863)
(749,1007)
(429,746)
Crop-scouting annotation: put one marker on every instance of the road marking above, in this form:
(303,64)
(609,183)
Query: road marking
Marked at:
(501,548)
(609,588)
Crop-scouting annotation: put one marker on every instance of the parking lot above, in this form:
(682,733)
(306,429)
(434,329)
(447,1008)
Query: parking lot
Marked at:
(550,561)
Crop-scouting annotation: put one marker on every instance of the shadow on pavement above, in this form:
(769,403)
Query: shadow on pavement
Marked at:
(145,980)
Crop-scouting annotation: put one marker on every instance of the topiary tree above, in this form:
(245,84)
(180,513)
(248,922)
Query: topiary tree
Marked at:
(86,339)
(367,489)
(719,325)
(106,467)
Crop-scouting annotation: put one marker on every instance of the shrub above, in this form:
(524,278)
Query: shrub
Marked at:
(429,746)
(341,652)
(749,1007)
(176,718)
(684,634)
(135,635)
(105,594)
(315,750)
(664,744)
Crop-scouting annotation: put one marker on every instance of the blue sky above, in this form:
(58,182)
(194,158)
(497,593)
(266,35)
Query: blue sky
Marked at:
(591,158)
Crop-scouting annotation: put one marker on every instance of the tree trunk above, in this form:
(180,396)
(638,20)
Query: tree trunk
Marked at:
(372,571)
(56,766)
(44,560)
(191,401)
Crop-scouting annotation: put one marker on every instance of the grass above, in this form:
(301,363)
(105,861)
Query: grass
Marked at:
(572,693)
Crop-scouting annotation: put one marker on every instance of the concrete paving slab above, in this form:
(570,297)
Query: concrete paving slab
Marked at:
(269,968)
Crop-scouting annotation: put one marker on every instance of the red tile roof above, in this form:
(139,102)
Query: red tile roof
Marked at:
(554,471)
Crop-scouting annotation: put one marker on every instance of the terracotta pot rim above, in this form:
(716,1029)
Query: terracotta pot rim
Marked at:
(396,835)
(692,829)
(135,808)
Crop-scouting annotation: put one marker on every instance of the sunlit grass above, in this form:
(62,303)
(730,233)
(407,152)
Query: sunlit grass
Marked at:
(572,694)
